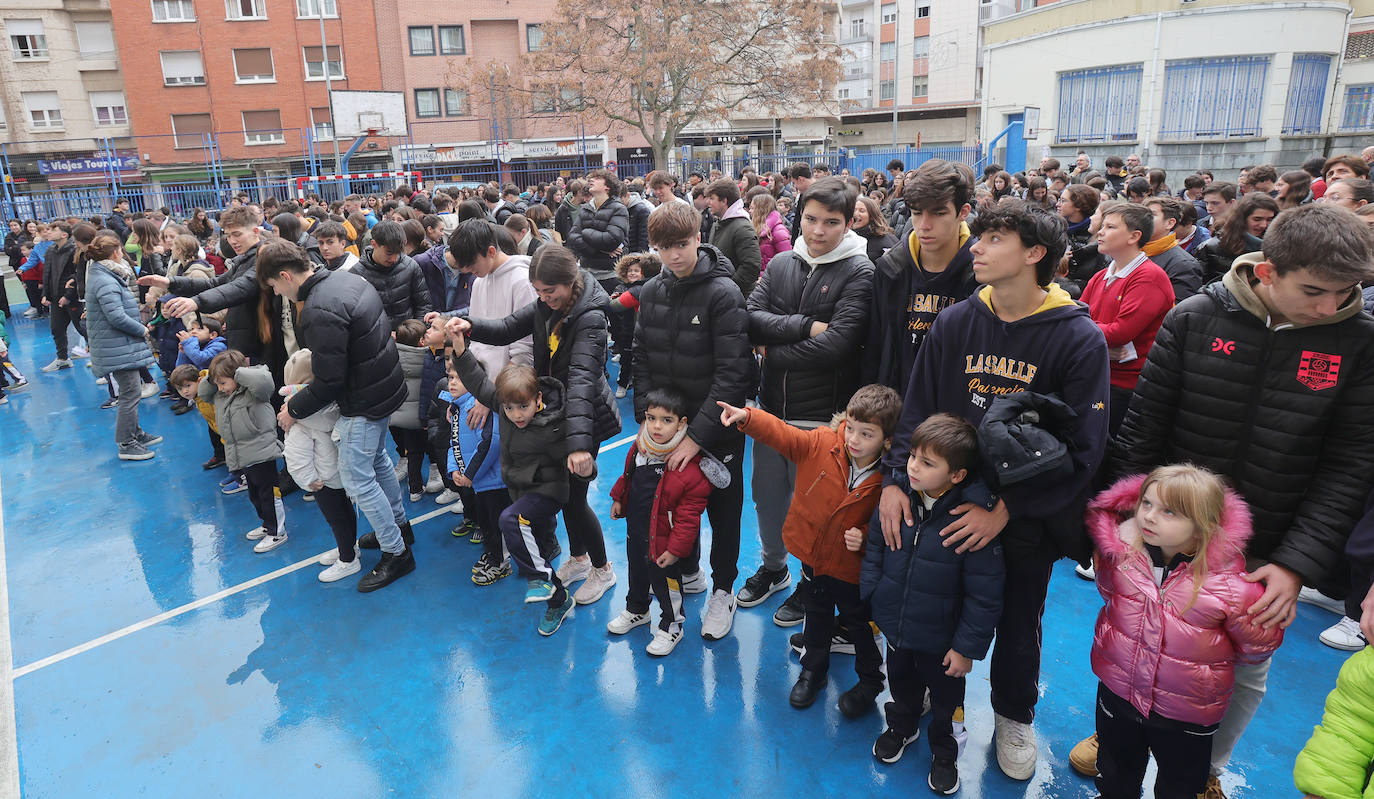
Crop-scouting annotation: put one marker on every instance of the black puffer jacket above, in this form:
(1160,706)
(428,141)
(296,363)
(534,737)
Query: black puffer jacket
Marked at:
(402,287)
(578,363)
(1183,270)
(237,289)
(692,335)
(1286,416)
(598,232)
(639,211)
(60,267)
(804,378)
(1216,260)
(353,355)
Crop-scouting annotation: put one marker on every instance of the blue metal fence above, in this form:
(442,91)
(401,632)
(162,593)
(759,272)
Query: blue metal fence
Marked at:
(1306,93)
(1209,98)
(1099,105)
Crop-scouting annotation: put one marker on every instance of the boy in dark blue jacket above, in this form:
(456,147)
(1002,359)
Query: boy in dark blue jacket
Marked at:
(1019,332)
(937,607)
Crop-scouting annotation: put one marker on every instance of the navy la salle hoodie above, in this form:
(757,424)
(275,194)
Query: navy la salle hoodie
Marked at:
(972,356)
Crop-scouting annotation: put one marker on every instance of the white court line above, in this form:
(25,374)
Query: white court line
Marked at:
(171,614)
(9,734)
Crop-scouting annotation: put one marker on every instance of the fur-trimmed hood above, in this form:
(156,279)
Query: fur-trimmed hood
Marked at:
(1111,507)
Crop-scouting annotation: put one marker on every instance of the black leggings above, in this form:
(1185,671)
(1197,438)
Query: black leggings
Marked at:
(584,528)
(338,511)
(413,442)
(34,290)
(262,491)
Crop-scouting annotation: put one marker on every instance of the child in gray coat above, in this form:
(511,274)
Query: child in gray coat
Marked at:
(242,396)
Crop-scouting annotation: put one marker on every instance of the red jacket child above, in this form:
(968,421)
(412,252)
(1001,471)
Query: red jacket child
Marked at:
(675,522)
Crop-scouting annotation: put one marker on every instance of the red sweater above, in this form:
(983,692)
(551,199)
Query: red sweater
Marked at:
(1130,311)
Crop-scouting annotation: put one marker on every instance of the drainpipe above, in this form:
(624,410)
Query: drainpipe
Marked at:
(1335,85)
(1147,128)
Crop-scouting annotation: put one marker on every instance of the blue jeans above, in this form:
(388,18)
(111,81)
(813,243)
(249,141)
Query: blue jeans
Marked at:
(369,477)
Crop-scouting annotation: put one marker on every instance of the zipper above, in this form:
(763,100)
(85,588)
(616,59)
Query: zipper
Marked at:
(819,478)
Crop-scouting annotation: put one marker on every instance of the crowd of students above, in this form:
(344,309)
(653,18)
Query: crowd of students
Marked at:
(948,386)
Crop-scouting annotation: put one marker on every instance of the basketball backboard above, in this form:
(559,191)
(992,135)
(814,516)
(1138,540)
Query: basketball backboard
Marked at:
(354,113)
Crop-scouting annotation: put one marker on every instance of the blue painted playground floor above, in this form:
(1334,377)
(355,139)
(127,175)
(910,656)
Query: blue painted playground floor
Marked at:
(433,686)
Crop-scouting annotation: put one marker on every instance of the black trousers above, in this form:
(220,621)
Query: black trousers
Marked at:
(723,510)
(646,575)
(1118,399)
(413,445)
(262,492)
(1125,741)
(1015,668)
(437,447)
(822,598)
(34,290)
(485,509)
(338,512)
(585,536)
(58,319)
(216,443)
(909,674)
(528,527)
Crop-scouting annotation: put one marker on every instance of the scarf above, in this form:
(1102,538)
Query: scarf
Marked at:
(1079,227)
(1159,245)
(652,452)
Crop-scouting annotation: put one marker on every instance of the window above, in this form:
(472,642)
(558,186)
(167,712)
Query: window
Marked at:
(451,40)
(455,103)
(542,101)
(315,63)
(570,100)
(322,123)
(1213,97)
(262,127)
(245,9)
(887,90)
(842,94)
(254,65)
(188,130)
(108,108)
(427,103)
(1359,107)
(534,37)
(421,41)
(27,39)
(1306,93)
(182,68)
(920,87)
(45,110)
(889,11)
(95,40)
(1100,104)
(173,11)
(887,51)
(4,125)
(920,47)
(858,28)
(314,9)
(922,12)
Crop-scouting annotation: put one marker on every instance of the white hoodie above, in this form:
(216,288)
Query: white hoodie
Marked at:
(497,296)
(852,244)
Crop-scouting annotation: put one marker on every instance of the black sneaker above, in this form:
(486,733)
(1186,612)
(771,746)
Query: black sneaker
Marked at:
(858,700)
(112,402)
(476,536)
(891,744)
(791,612)
(762,585)
(840,643)
(387,571)
(369,540)
(808,686)
(463,529)
(944,776)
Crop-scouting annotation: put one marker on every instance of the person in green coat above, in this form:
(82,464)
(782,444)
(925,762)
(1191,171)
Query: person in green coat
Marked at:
(1337,761)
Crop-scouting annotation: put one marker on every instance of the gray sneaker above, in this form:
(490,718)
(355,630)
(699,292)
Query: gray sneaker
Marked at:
(58,363)
(149,439)
(134,451)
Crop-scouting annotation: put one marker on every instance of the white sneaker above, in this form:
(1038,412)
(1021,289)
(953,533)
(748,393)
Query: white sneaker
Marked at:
(574,570)
(330,558)
(149,390)
(31,313)
(1317,599)
(435,483)
(446,496)
(625,622)
(80,352)
(720,615)
(598,580)
(1344,635)
(694,583)
(1016,750)
(100,381)
(255,534)
(271,542)
(416,497)
(663,642)
(620,392)
(1086,572)
(340,570)
(58,363)
(401,469)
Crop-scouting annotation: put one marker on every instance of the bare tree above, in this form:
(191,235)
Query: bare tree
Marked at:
(659,66)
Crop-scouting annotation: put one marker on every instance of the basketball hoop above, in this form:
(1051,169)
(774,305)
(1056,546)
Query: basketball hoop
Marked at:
(372,131)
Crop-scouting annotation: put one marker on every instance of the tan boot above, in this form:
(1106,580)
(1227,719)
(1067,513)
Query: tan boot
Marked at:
(1083,757)
(1213,790)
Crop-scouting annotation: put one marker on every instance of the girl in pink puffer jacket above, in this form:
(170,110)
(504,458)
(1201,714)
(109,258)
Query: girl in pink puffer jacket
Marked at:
(1169,563)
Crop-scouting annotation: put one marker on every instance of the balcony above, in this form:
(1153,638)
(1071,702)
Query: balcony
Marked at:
(97,61)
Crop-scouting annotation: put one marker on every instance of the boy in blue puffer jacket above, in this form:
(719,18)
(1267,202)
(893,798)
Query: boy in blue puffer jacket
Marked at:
(474,463)
(937,607)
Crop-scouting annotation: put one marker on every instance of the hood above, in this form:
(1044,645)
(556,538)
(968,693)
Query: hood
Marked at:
(1057,305)
(512,262)
(1109,509)
(119,269)
(900,259)
(1240,283)
(851,245)
(710,263)
(411,356)
(553,402)
(735,211)
(593,297)
(774,219)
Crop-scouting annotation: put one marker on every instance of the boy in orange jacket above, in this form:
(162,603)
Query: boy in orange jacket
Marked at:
(837,487)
